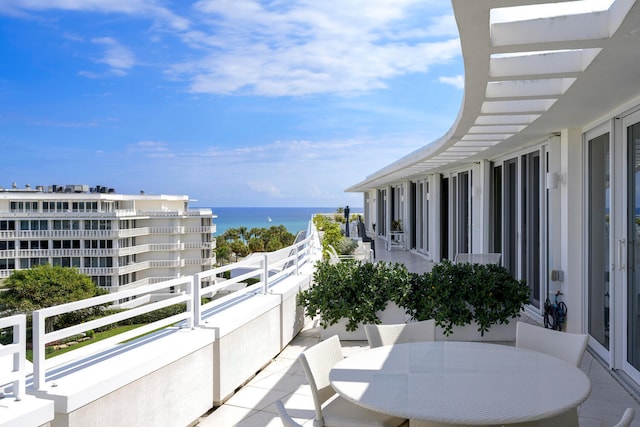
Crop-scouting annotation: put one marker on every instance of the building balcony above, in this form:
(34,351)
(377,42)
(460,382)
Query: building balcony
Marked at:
(226,361)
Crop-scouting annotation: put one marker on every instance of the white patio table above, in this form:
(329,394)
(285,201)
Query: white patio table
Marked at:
(460,383)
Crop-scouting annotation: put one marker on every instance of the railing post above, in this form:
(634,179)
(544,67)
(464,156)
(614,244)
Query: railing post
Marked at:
(20,337)
(297,261)
(196,286)
(265,274)
(192,303)
(38,350)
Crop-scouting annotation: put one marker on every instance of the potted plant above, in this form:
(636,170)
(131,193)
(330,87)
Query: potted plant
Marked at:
(348,294)
(456,295)
(466,300)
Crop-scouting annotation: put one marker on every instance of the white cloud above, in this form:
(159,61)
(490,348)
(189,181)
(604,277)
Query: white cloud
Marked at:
(146,8)
(265,187)
(118,57)
(309,47)
(455,81)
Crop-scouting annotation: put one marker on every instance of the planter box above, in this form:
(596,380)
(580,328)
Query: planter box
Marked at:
(390,315)
(394,314)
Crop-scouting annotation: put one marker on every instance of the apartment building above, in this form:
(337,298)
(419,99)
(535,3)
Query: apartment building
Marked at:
(120,240)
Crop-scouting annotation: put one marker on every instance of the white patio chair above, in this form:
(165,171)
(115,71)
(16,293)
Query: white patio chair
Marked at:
(284,415)
(332,410)
(626,419)
(564,345)
(379,335)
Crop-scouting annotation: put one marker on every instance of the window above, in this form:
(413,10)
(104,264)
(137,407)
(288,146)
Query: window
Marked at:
(66,224)
(34,225)
(23,206)
(66,244)
(7,264)
(101,224)
(95,262)
(32,262)
(126,260)
(84,206)
(7,225)
(66,261)
(7,245)
(104,281)
(34,244)
(98,244)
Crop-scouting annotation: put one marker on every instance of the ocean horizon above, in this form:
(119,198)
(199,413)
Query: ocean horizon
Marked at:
(294,219)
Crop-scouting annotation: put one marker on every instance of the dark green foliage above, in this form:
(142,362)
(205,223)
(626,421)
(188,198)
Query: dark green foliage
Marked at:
(241,242)
(46,286)
(351,289)
(452,294)
(457,294)
(152,316)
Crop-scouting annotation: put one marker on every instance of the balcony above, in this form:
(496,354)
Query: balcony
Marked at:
(220,363)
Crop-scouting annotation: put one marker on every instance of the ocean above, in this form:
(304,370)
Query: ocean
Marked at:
(294,219)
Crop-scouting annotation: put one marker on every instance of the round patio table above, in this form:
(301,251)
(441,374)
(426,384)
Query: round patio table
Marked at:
(460,383)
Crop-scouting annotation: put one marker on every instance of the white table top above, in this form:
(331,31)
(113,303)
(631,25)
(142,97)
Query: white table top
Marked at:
(460,382)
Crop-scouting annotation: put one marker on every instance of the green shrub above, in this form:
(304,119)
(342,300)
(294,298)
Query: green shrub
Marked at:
(452,294)
(352,289)
(457,294)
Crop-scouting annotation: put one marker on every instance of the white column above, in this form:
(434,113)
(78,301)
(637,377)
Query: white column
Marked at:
(571,186)
(435,201)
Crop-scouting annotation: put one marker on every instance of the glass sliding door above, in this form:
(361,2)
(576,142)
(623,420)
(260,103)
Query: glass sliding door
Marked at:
(444,218)
(495,231)
(598,237)
(413,226)
(510,216)
(464,216)
(631,132)
(530,224)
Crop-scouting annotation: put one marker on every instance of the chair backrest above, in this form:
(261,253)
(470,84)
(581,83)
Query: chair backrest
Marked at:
(334,258)
(488,258)
(564,345)
(317,362)
(626,419)
(379,335)
(284,415)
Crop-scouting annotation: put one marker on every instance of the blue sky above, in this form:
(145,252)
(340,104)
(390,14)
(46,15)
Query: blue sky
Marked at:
(233,102)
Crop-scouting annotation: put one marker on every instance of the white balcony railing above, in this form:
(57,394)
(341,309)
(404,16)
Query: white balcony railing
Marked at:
(14,355)
(41,337)
(267,268)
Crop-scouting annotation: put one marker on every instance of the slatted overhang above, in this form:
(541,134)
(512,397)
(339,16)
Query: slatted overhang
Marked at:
(527,79)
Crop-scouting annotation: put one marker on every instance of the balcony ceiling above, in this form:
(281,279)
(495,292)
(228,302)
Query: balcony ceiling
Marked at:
(528,79)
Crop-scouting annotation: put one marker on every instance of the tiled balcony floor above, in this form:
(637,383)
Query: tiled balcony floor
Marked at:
(283,379)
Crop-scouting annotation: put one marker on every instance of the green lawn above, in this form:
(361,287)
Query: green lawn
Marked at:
(98,336)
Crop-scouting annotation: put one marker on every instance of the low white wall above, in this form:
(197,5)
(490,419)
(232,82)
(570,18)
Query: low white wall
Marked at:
(174,395)
(246,343)
(29,411)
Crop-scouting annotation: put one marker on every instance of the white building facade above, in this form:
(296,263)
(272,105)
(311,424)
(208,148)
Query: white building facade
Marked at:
(121,241)
(542,164)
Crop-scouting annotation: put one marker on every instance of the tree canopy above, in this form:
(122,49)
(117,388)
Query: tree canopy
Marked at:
(242,242)
(45,286)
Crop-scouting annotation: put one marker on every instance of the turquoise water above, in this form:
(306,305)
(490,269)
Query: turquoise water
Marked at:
(294,219)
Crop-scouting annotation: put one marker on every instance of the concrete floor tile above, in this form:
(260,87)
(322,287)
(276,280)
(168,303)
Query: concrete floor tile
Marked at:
(255,397)
(279,381)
